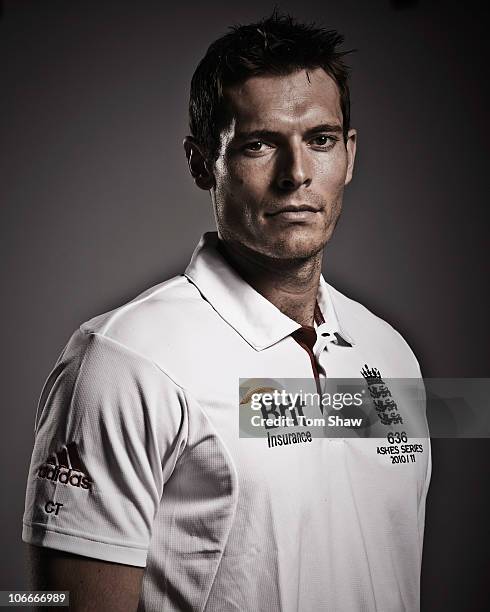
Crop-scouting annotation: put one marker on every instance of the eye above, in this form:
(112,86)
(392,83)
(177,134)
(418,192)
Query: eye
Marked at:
(324,141)
(254,146)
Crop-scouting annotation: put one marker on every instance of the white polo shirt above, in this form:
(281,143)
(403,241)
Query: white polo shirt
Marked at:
(138,460)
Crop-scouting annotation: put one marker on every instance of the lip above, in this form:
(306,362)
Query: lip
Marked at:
(293,208)
(294,213)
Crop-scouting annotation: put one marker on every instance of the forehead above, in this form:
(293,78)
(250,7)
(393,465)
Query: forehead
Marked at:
(273,102)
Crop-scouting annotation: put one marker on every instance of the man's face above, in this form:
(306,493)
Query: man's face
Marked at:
(282,165)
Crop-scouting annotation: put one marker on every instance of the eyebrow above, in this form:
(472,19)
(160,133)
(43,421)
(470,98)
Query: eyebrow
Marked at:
(270,134)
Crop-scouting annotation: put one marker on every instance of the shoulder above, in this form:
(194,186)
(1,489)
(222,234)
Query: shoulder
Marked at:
(368,329)
(150,321)
(133,341)
(108,366)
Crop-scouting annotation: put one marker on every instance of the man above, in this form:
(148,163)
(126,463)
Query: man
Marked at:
(141,492)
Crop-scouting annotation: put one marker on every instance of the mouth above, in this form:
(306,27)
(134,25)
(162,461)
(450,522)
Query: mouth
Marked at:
(293,209)
(294,213)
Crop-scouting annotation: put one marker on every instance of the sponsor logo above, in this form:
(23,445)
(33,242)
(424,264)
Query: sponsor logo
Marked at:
(66,467)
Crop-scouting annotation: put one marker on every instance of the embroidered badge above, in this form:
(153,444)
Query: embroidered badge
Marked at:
(383,401)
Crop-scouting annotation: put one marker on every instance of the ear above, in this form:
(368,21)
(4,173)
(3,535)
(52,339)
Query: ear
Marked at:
(351,146)
(198,164)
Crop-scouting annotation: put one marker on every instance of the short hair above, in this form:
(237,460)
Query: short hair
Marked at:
(278,45)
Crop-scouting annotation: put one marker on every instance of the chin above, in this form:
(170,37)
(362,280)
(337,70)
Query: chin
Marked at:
(297,246)
(296,241)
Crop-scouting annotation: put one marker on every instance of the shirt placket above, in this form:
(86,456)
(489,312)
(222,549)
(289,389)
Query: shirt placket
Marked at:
(313,341)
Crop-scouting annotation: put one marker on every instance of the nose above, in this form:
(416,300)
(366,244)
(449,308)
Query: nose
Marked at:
(293,169)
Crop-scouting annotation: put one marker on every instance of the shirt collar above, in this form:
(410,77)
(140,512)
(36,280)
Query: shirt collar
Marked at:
(332,324)
(250,314)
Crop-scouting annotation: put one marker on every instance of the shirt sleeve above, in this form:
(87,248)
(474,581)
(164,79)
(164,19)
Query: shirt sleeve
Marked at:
(426,443)
(110,428)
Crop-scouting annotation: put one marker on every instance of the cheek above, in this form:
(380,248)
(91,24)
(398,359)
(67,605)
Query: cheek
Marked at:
(247,179)
(233,210)
(241,189)
(332,176)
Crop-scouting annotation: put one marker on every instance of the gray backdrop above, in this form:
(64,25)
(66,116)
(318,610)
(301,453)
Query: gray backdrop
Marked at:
(97,205)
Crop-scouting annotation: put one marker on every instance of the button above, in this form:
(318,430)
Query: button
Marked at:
(325,334)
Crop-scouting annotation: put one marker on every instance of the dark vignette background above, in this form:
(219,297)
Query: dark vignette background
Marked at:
(97,205)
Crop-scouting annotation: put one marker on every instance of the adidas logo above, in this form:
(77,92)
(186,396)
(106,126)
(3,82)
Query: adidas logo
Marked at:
(66,467)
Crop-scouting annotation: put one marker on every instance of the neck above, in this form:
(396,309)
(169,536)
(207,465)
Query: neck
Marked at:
(291,285)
